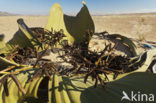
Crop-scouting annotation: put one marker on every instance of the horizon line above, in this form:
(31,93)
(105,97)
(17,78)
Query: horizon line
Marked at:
(74,14)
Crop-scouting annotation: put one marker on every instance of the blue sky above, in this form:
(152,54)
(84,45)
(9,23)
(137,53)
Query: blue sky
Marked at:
(73,6)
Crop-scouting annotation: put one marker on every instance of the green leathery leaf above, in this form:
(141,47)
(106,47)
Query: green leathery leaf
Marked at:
(125,41)
(23,38)
(15,95)
(63,89)
(146,59)
(74,90)
(74,27)
(2,43)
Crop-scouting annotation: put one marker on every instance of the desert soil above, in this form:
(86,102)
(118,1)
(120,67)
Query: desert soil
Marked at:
(132,26)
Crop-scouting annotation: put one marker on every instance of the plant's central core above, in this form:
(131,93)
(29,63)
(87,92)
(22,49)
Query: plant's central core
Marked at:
(70,60)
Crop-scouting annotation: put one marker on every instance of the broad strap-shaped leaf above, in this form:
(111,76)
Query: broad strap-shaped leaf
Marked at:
(2,43)
(125,41)
(74,27)
(63,89)
(142,63)
(23,38)
(74,90)
(15,95)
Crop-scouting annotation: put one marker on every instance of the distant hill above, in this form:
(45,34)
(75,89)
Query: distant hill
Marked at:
(6,14)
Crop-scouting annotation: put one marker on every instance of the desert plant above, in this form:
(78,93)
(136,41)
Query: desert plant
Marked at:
(75,28)
(41,83)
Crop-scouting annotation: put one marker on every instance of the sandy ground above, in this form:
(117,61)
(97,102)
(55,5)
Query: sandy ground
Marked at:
(132,26)
(8,24)
(128,25)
